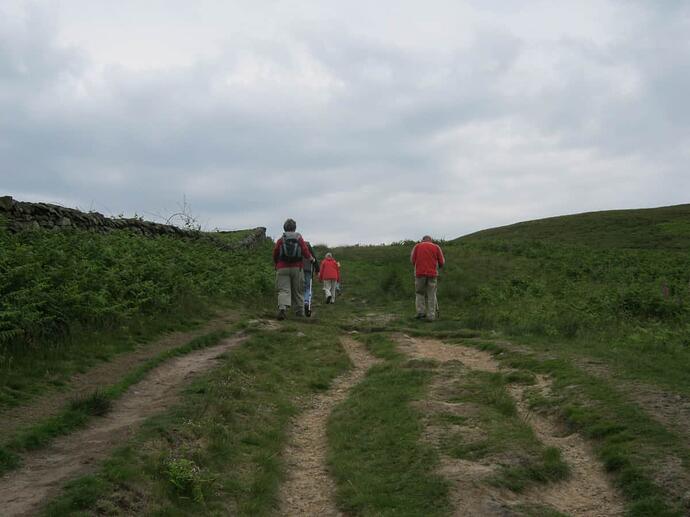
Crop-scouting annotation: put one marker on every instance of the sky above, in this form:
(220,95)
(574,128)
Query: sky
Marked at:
(366,122)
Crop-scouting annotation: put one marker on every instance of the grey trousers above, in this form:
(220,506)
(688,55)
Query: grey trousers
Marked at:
(290,288)
(425,299)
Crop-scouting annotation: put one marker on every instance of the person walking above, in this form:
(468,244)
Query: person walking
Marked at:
(427,258)
(289,254)
(309,267)
(329,274)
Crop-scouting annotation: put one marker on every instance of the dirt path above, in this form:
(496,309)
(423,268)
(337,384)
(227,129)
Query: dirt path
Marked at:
(588,491)
(24,490)
(103,374)
(308,488)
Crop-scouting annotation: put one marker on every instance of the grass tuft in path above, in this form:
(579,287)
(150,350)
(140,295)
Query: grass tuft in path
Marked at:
(379,461)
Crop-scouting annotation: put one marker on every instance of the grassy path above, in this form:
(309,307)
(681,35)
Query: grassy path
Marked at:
(108,372)
(308,488)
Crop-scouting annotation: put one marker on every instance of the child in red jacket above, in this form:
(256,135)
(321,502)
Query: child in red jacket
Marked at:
(329,274)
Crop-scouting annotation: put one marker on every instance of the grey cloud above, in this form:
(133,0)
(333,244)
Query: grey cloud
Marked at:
(360,138)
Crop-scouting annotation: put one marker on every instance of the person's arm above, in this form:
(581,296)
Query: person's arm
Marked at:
(321,273)
(413,255)
(441,259)
(314,261)
(305,250)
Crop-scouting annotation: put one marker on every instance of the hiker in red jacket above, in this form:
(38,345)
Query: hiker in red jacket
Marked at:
(288,256)
(427,258)
(329,274)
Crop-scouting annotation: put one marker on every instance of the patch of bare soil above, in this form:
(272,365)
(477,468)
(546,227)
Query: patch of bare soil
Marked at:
(308,488)
(264,324)
(423,348)
(375,319)
(588,492)
(44,472)
(104,374)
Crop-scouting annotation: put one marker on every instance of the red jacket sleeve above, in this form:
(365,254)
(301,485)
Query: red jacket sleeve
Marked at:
(321,271)
(413,255)
(276,250)
(441,259)
(305,249)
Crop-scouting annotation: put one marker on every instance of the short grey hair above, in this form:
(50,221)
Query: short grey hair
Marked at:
(329,255)
(427,238)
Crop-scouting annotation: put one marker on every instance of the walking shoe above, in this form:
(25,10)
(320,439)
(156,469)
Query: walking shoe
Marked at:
(419,316)
(307,310)
(281,314)
(328,299)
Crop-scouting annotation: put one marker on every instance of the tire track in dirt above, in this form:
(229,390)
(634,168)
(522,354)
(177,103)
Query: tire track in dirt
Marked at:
(309,488)
(43,473)
(670,409)
(103,374)
(588,492)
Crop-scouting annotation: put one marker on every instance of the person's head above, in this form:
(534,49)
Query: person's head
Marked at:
(329,255)
(289,225)
(426,238)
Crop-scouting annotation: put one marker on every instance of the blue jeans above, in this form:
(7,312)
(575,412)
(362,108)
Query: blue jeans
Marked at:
(307,287)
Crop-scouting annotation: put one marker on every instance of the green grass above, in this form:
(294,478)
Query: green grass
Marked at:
(627,441)
(377,456)
(218,453)
(507,440)
(71,299)
(82,409)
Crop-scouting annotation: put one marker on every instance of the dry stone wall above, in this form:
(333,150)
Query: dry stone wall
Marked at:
(22,216)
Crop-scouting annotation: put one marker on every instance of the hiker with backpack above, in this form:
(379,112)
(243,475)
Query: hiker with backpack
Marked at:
(288,255)
(330,276)
(427,258)
(309,266)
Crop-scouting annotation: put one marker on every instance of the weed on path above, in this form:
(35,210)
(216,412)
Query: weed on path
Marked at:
(22,491)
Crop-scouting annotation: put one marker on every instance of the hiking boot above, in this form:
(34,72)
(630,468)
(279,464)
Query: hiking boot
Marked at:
(419,316)
(328,299)
(307,310)
(281,314)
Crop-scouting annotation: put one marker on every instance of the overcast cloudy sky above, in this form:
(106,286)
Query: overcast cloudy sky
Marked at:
(367,121)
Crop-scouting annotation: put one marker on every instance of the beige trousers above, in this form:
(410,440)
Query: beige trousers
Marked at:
(329,289)
(290,288)
(425,299)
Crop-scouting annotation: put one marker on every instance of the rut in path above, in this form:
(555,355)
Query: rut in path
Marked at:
(43,473)
(50,404)
(309,489)
(587,493)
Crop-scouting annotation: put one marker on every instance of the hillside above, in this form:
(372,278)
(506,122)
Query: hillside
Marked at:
(553,383)
(649,228)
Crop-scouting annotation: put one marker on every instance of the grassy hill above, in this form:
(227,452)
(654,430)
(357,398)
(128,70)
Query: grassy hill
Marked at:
(651,228)
(585,301)
(593,280)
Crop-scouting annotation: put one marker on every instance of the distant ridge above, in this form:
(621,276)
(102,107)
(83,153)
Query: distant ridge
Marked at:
(665,227)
